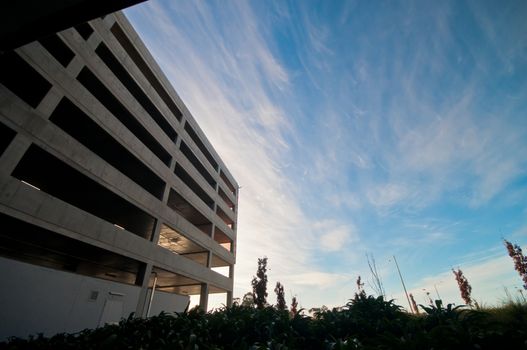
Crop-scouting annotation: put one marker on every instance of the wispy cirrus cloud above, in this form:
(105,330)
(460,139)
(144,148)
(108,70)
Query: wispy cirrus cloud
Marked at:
(336,236)
(228,87)
(355,127)
(387,194)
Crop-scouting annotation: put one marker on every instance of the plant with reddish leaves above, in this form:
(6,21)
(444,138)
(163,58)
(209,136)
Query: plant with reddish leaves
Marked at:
(360,285)
(430,301)
(414,304)
(464,286)
(294,307)
(520,261)
(280,298)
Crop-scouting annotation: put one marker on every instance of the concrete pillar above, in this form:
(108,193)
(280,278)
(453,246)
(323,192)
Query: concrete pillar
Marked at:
(75,66)
(233,246)
(204,293)
(214,207)
(14,153)
(178,141)
(50,101)
(204,296)
(213,230)
(209,259)
(166,193)
(108,21)
(157,230)
(143,279)
(229,299)
(229,293)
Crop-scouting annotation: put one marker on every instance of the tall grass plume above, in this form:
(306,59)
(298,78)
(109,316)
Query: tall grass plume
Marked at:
(464,287)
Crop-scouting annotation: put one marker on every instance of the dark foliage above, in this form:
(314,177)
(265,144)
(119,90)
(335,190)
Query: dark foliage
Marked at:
(280,297)
(360,285)
(365,322)
(294,306)
(259,284)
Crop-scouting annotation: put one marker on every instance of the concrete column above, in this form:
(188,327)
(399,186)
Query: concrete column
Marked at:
(233,246)
(50,102)
(108,21)
(143,279)
(75,66)
(229,299)
(94,40)
(204,296)
(214,206)
(178,141)
(229,293)
(157,231)
(14,153)
(33,53)
(167,186)
(209,259)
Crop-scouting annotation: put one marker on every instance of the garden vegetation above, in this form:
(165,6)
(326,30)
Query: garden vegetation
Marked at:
(365,322)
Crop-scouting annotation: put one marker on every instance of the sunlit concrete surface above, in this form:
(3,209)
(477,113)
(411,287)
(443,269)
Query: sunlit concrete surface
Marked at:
(110,193)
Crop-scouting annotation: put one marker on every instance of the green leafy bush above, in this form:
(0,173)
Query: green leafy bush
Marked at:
(365,322)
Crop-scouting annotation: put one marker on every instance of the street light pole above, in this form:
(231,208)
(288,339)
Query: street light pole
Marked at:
(402,282)
(438,297)
(152,294)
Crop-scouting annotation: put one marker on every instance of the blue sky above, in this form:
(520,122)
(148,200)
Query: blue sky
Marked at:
(355,127)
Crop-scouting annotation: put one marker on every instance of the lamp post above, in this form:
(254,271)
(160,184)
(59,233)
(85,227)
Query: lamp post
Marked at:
(402,282)
(435,287)
(152,294)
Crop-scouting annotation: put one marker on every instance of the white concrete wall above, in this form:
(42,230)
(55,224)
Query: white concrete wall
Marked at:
(167,302)
(36,299)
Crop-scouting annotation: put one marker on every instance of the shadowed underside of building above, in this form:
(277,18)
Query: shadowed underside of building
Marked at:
(112,200)
(24,21)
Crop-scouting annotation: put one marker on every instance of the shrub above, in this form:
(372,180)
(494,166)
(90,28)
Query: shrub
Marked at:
(365,322)
(280,298)
(259,283)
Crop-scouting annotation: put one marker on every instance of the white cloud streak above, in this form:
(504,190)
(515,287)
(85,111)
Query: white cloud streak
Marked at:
(334,237)
(227,87)
(382,135)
